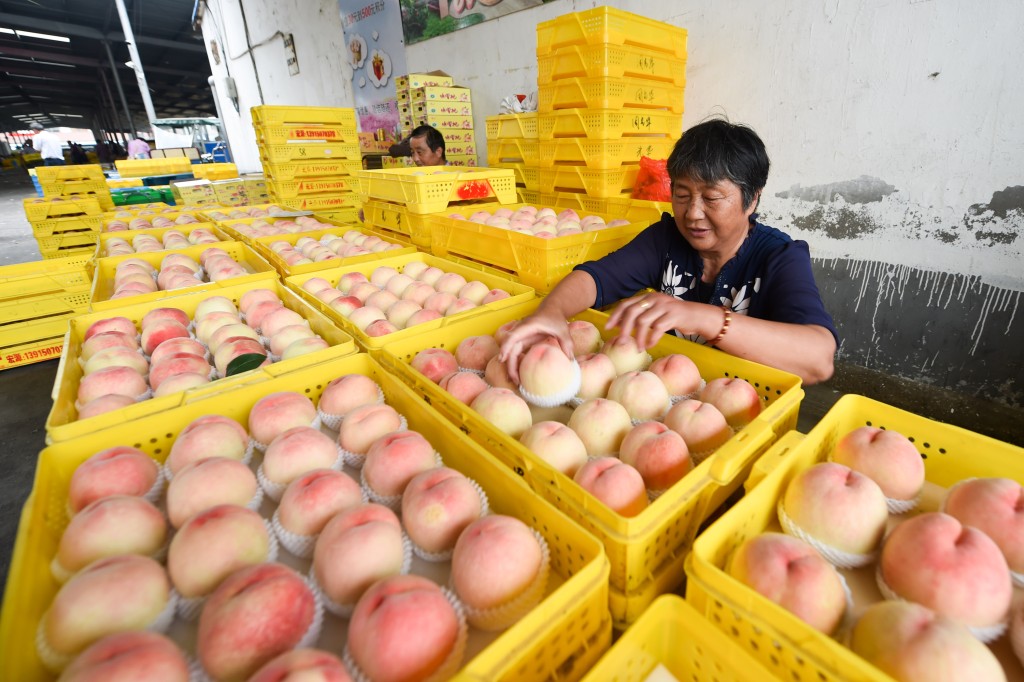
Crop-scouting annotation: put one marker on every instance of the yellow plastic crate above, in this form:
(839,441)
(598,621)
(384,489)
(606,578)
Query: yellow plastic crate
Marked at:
(215,171)
(393,217)
(601,154)
(63,241)
(638,547)
(134,209)
(512,126)
(277,134)
(608,124)
(520,293)
(527,196)
(263,244)
(613,26)
(431,191)
(41,291)
(633,210)
(527,175)
(121,183)
(600,183)
(613,62)
(71,251)
(287,172)
(270,115)
(37,209)
(783,643)
(337,184)
(346,216)
(537,262)
(140,168)
(54,174)
(259,270)
(210,213)
(81,223)
(170,215)
(320,202)
(512,150)
(609,93)
(62,423)
(32,342)
(672,634)
(230,227)
(279,152)
(560,638)
(62,188)
(158,233)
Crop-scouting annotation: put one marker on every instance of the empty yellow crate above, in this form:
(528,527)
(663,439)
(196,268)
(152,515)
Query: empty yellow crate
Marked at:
(611,61)
(215,171)
(263,246)
(527,196)
(301,151)
(276,134)
(81,223)
(537,262)
(36,341)
(62,423)
(609,93)
(338,184)
(41,290)
(608,124)
(613,26)
(602,154)
(67,240)
(140,168)
(257,268)
(320,202)
(37,209)
(285,115)
(60,188)
(512,125)
(512,150)
(527,174)
(672,634)
(594,182)
(51,174)
(779,640)
(519,293)
(626,208)
(431,190)
(68,252)
(158,233)
(121,183)
(638,547)
(286,172)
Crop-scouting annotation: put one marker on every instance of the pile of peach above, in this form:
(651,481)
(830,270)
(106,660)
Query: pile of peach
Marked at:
(265,228)
(947,575)
(198,539)
(146,243)
(174,353)
(146,209)
(390,300)
(134,276)
(331,247)
(246,212)
(140,222)
(630,430)
(544,223)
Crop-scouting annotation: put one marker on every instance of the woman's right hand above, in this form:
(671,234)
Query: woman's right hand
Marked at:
(532,330)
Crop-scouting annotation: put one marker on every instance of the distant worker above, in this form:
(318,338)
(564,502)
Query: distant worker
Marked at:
(48,145)
(425,145)
(138,148)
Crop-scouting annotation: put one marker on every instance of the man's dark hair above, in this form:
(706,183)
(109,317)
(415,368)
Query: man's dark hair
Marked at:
(434,138)
(718,150)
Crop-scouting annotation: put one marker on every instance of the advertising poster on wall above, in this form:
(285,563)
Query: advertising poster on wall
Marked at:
(424,19)
(374,48)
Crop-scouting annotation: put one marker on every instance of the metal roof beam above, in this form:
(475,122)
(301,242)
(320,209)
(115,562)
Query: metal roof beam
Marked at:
(48,56)
(62,28)
(24,69)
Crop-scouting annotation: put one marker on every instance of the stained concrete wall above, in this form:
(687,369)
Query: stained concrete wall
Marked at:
(895,144)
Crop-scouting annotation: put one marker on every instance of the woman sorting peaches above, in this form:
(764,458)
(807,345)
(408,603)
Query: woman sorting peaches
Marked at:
(721,277)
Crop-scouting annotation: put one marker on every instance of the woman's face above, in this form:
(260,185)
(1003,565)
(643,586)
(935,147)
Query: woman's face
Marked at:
(422,154)
(711,216)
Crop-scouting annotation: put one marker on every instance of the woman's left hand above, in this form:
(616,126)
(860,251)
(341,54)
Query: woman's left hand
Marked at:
(649,316)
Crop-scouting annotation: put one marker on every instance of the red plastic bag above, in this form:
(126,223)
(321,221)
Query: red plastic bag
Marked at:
(652,182)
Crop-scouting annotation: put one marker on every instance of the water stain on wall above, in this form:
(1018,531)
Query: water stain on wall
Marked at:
(988,222)
(838,222)
(863,190)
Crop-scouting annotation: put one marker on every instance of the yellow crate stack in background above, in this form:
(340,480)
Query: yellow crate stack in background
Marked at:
(66,220)
(433,99)
(141,168)
(512,143)
(309,155)
(610,91)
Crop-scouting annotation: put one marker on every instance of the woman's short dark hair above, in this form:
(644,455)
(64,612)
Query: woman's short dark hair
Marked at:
(718,150)
(434,138)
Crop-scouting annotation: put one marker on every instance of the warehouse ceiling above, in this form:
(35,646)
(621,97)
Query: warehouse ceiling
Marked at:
(54,65)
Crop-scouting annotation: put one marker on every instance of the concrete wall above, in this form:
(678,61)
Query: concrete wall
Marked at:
(892,127)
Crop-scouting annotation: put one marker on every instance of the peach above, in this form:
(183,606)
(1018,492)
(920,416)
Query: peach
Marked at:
(118,524)
(357,548)
(397,285)
(953,569)
(586,338)
(211,304)
(435,363)
(111,381)
(614,483)
(380,328)
(658,453)
(474,352)
(473,291)
(254,316)
(315,284)
(119,470)
(735,398)
(275,413)
(505,410)
(104,404)
(400,312)
(344,305)
(678,372)
(365,424)
(404,628)
(382,300)
(314,498)
(276,320)
(439,302)
(626,355)
(232,331)
(363,317)
(597,372)
(116,357)
(545,372)
(701,425)
(285,336)
(394,459)
(601,424)
(381,275)
(207,483)
(838,507)
(886,457)
(459,305)
(297,451)
(418,292)
(641,393)
(253,616)
(129,657)
(253,297)
(181,382)
(86,608)
(179,363)
(175,277)
(211,438)
(176,346)
(909,642)
(303,665)
(234,347)
(450,283)
(464,386)
(437,505)
(791,573)
(363,291)
(414,269)
(992,505)
(496,375)
(421,316)
(349,280)
(494,295)
(213,321)
(304,347)
(160,331)
(172,314)
(556,444)
(105,340)
(344,394)
(111,324)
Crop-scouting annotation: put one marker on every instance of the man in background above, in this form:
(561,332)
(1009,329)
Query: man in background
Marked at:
(138,148)
(48,145)
(425,145)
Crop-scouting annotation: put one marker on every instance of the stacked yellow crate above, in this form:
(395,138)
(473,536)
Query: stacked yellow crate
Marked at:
(309,155)
(434,100)
(66,220)
(512,143)
(610,91)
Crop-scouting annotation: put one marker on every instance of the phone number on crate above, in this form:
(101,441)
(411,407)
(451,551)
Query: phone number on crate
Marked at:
(48,352)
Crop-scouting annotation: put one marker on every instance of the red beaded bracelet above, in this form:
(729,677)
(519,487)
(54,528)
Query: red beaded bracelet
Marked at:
(725,326)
